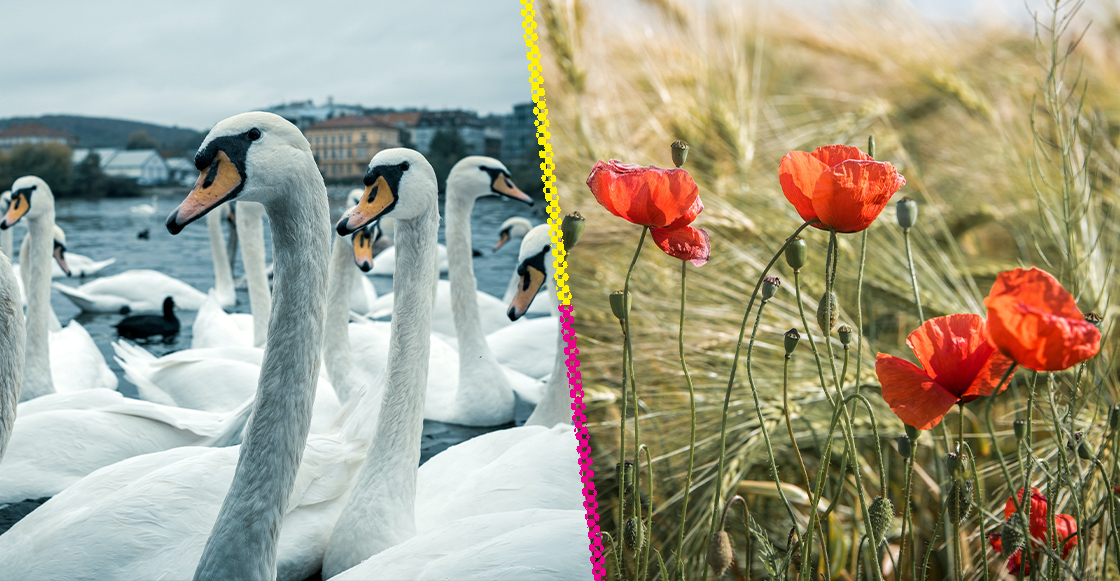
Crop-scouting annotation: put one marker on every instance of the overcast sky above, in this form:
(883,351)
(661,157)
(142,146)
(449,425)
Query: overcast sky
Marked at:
(194,64)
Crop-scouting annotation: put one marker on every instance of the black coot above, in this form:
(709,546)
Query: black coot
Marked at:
(142,326)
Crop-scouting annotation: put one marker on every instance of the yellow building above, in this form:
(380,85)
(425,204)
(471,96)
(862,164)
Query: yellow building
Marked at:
(343,146)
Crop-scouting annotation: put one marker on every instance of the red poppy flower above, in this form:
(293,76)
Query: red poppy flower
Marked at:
(1064,528)
(958,366)
(666,200)
(839,185)
(1035,321)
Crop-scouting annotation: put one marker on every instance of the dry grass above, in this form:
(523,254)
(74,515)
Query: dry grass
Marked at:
(950,105)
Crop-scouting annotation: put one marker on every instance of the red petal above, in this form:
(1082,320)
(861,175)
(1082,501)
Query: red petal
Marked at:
(954,351)
(914,397)
(798,173)
(1035,321)
(832,155)
(647,196)
(850,195)
(687,243)
(1064,527)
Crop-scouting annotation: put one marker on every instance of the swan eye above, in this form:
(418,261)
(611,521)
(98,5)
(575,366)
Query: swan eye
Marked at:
(253,134)
(404,166)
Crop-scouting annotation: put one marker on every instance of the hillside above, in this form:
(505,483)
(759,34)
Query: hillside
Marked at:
(102,132)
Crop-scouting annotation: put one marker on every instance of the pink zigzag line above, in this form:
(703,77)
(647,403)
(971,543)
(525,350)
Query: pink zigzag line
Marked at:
(579,418)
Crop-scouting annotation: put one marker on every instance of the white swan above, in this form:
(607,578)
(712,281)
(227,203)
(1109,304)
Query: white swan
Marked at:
(385,263)
(466,485)
(147,517)
(6,234)
(518,227)
(78,361)
(138,290)
(76,264)
(515,227)
(145,209)
(13,341)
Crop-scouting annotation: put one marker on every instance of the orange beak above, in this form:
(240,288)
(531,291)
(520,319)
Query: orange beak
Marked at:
(531,281)
(19,206)
(505,186)
(376,200)
(218,182)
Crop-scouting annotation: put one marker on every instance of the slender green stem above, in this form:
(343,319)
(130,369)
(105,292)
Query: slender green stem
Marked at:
(933,541)
(731,379)
(913,274)
(692,421)
(1064,463)
(907,523)
(956,482)
(626,374)
(979,510)
(646,532)
(859,308)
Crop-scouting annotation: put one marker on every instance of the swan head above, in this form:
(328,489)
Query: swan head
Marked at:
(534,266)
(31,197)
(238,160)
(363,245)
(515,227)
(400,183)
(60,249)
(476,176)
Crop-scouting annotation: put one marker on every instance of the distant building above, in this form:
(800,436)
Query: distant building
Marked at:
(181,170)
(481,138)
(519,135)
(343,146)
(304,114)
(33,134)
(143,165)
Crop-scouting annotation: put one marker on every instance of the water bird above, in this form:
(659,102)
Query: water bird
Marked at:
(144,326)
(145,209)
(144,234)
(515,227)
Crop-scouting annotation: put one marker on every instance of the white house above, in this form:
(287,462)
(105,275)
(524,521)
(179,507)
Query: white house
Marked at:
(181,170)
(143,165)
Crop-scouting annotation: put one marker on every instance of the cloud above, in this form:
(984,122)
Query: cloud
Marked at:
(195,64)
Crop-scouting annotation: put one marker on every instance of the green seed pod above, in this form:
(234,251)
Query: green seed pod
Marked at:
(626,473)
(904,446)
(845,334)
(881,512)
(797,253)
(1011,535)
(952,462)
(680,152)
(828,311)
(720,553)
(1020,426)
(635,534)
(906,210)
(770,285)
(791,339)
(620,304)
(1095,319)
(959,502)
(1114,416)
(571,228)
(871,146)
(1084,452)
(913,433)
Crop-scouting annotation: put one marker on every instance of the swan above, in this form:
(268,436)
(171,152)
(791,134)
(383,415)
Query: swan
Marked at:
(385,264)
(148,517)
(515,227)
(12,344)
(145,209)
(466,485)
(79,364)
(518,227)
(6,234)
(78,265)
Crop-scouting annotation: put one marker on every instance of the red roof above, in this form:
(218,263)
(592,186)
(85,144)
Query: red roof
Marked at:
(349,121)
(409,119)
(35,130)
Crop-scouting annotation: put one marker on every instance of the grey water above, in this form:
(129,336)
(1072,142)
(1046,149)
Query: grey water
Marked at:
(107,228)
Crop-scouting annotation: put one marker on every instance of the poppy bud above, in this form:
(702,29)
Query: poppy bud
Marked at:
(871,146)
(680,152)
(792,337)
(904,446)
(906,210)
(720,553)
(881,512)
(571,228)
(635,536)
(952,462)
(797,253)
(1084,452)
(959,502)
(1114,416)
(620,304)
(1094,319)
(828,312)
(1011,535)
(770,285)
(1020,426)
(912,432)
(845,334)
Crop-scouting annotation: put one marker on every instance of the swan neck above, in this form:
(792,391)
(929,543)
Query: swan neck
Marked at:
(381,510)
(250,228)
(6,243)
(223,276)
(555,406)
(336,335)
(243,542)
(37,372)
(12,346)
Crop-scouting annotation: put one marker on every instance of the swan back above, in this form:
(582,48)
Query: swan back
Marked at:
(12,343)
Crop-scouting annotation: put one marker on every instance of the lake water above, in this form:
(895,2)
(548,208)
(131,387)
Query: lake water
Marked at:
(103,229)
